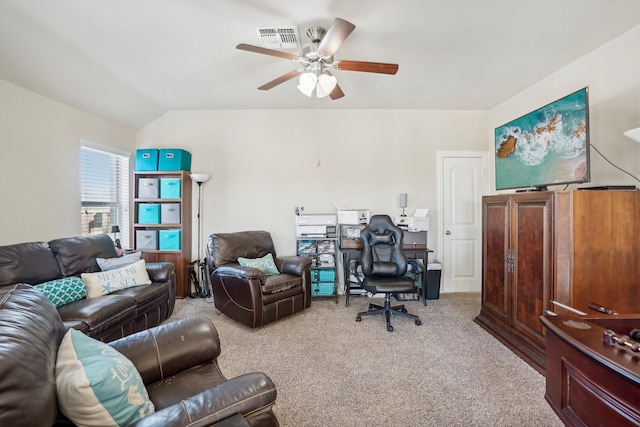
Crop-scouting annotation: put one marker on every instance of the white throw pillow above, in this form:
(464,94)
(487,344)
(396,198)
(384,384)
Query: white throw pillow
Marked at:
(97,385)
(105,282)
(112,263)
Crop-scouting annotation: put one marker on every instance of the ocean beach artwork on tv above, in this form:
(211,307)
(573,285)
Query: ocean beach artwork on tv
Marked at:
(549,146)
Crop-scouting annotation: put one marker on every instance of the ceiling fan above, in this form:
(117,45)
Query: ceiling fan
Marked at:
(317,57)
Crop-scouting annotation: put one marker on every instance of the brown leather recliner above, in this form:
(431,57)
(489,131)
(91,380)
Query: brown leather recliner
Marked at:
(245,294)
(177,362)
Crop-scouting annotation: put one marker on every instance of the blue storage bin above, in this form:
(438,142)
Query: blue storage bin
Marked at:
(170,188)
(149,213)
(174,159)
(169,240)
(147,159)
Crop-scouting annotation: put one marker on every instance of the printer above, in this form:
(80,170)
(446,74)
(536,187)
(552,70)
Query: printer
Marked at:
(316,225)
(418,222)
(353,216)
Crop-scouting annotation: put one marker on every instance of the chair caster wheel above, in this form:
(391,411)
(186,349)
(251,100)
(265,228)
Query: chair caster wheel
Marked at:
(404,310)
(390,328)
(358,319)
(418,322)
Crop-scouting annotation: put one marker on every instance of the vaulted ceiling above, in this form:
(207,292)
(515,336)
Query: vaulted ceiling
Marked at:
(130,61)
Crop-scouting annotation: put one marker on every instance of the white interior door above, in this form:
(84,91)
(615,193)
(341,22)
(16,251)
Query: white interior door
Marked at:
(463,181)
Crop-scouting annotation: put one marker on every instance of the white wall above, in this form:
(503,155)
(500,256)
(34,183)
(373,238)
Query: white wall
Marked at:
(39,164)
(612,74)
(262,163)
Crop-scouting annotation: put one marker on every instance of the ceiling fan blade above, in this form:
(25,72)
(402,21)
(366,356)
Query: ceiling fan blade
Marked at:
(336,93)
(283,78)
(265,51)
(335,36)
(368,67)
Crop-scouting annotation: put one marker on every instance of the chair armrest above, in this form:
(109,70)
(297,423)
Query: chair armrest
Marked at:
(292,264)
(244,394)
(170,348)
(160,271)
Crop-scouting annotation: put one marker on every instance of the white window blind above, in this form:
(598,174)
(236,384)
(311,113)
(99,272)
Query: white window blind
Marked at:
(104,177)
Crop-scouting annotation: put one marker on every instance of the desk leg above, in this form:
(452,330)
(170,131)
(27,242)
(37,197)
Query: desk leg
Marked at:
(345,274)
(425,259)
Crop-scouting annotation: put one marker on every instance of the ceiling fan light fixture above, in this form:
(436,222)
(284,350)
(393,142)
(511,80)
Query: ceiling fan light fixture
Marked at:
(326,84)
(307,83)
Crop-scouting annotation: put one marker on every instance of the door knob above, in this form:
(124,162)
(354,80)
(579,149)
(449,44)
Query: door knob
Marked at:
(447,232)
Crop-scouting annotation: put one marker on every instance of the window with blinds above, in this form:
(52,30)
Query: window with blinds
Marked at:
(104,177)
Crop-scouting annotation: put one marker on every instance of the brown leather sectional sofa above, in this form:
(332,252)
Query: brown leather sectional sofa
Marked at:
(176,361)
(107,317)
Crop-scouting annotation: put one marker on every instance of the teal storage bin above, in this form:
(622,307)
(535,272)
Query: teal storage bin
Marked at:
(149,213)
(322,289)
(147,159)
(174,159)
(170,188)
(169,240)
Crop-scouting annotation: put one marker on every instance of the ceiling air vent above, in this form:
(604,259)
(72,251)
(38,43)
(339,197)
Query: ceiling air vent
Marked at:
(279,37)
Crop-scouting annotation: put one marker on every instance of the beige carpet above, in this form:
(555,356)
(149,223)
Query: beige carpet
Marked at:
(333,371)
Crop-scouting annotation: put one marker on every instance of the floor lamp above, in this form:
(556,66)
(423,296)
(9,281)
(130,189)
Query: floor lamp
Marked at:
(202,290)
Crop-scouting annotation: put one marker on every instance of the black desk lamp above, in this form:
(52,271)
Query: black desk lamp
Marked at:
(115,229)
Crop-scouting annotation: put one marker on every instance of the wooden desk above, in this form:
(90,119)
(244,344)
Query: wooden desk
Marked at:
(411,252)
(590,382)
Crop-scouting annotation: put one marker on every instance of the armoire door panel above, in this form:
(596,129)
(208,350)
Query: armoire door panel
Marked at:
(495,247)
(532,243)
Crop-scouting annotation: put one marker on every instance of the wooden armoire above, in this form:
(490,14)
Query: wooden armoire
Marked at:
(574,247)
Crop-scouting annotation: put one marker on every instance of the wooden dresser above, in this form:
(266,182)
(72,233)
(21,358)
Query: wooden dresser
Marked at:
(591,382)
(575,247)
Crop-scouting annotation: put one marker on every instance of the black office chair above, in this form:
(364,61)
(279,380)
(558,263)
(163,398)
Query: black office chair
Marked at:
(384,267)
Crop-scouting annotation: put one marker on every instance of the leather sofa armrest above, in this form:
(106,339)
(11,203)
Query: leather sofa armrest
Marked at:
(240,272)
(244,394)
(160,271)
(170,348)
(293,264)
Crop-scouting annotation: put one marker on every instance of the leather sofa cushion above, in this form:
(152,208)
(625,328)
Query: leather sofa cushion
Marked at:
(146,293)
(17,264)
(268,299)
(30,333)
(99,313)
(78,255)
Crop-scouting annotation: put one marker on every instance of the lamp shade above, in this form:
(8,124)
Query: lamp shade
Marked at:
(403,200)
(633,134)
(307,83)
(326,84)
(115,229)
(200,177)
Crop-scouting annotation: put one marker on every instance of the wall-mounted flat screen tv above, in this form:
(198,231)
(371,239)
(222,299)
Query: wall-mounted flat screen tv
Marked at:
(548,146)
